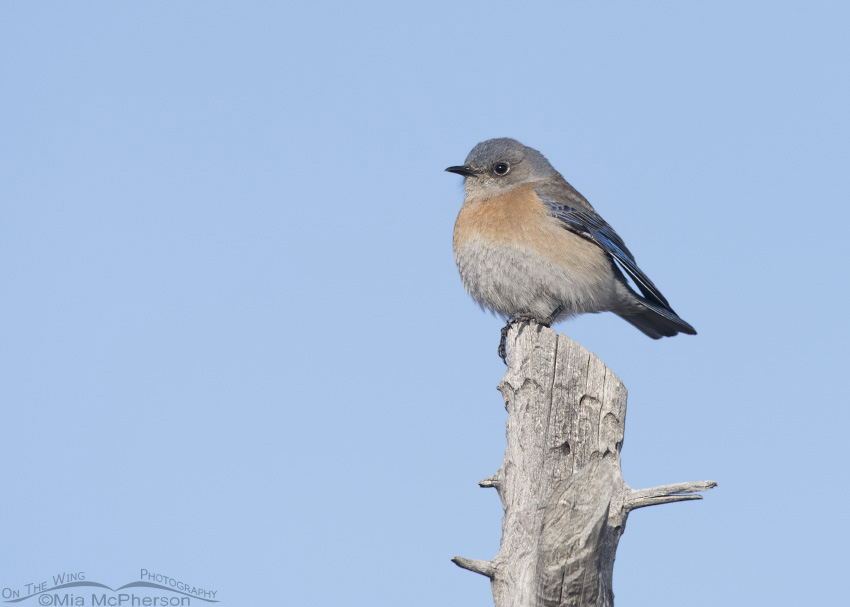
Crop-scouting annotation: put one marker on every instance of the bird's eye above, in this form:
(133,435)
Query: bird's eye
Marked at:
(500,168)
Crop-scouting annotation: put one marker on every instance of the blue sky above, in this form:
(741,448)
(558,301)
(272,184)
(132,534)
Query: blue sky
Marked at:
(236,348)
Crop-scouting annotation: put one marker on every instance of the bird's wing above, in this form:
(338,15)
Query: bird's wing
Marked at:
(571,208)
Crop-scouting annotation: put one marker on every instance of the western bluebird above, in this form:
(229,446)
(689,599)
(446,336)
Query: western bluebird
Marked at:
(530,247)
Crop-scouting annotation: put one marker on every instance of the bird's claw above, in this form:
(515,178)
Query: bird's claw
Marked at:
(546,322)
(503,347)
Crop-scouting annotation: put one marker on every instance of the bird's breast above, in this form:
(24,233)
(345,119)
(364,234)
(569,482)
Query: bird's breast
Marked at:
(513,218)
(514,256)
(520,220)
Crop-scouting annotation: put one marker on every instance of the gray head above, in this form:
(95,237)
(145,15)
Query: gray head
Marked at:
(497,166)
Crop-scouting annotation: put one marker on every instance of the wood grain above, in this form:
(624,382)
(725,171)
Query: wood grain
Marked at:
(560,483)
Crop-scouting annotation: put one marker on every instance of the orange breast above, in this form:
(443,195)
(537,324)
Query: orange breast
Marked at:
(519,219)
(513,218)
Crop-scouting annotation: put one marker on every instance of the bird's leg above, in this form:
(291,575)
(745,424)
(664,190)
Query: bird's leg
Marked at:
(546,322)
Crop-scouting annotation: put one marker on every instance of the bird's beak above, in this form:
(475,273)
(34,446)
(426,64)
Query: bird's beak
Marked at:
(464,170)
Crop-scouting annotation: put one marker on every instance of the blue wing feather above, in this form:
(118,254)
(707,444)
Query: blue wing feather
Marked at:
(588,224)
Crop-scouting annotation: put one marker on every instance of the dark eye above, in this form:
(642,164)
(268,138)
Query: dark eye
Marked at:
(500,168)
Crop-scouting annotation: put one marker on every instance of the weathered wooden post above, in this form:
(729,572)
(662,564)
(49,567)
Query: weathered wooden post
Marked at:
(561,486)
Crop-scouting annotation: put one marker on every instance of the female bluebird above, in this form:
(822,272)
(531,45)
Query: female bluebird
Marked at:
(530,247)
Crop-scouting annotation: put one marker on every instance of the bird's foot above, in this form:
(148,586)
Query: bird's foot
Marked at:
(546,322)
(503,348)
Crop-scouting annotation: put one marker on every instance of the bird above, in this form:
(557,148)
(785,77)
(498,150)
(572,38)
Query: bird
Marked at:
(530,247)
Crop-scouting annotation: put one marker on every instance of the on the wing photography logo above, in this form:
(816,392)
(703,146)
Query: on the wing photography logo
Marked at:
(72,589)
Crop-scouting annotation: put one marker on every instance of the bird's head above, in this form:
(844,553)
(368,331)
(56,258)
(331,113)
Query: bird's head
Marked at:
(497,166)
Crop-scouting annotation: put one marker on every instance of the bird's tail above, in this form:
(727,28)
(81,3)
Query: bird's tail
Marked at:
(656,321)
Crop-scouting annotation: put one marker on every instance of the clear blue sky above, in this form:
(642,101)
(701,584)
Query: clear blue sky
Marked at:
(235,347)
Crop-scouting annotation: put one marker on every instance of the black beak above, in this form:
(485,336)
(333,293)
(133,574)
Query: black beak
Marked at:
(464,170)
